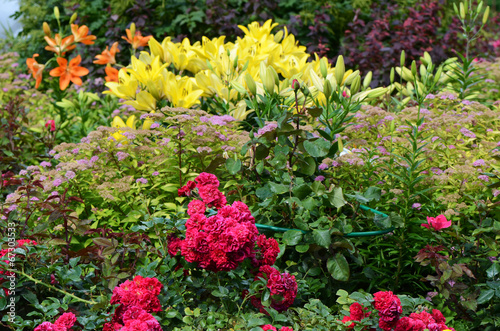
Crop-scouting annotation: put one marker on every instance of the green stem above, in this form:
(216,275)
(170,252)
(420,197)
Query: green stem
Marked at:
(36,281)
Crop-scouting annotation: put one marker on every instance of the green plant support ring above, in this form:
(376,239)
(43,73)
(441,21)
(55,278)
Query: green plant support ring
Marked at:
(352,234)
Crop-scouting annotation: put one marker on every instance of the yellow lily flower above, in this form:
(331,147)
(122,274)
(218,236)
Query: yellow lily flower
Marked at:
(118,123)
(126,86)
(161,50)
(183,92)
(144,101)
(256,31)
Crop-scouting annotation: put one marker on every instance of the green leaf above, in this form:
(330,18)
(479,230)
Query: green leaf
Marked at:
(336,197)
(317,148)
(307,166)
(292,237)
(278,188)
(261,152)
(322,237)
(233,166)
(302,248)
(263,193)
(302,191)
(338,267)
(373,193)
(485,296)
(494,270)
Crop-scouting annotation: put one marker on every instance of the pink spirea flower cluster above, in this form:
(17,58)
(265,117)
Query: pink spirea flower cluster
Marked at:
(272,328)
(63,323)
(283,288)
(356,313)
(136,299)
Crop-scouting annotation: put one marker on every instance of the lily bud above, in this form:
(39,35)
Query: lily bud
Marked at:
(455,8)
(479,7)
(339,69)
(278,36)
(486,14)
(56,12)
(132,29)
(368,79)
(295,85)
(46,30)
(393,125)
(402,59)
(356,84)
(414,68)
(251,83)
(268,81)
(439,72)
(351,77)
(73,18)
(392,75)
(327,89)
(462,11)
(323,67)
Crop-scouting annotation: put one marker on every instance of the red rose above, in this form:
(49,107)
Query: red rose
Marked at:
(206,179)
(196,207)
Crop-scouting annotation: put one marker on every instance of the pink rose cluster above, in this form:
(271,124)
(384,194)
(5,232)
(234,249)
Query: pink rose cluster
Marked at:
(356,313)
(63,323)
(222,241)
(272,328)
(136,299)
(207,186)
(389,310)
(422,321)
(283,288)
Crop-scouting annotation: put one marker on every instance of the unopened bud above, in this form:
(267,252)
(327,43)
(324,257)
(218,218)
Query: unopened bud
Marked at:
(132,29)
(479,7)
(305,90)
(356,84)
(327,88)
(486,14)
(323,67)
(402,59)
(462,11)
(295,85)
(339,69)
(73,18)
(392,75)
(414,68)
(46,29)
(56,12)
(251,83)
(368,79)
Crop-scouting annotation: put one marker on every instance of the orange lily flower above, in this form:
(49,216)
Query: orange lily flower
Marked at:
(80,34)
(138,40)
(108,55)
(36,69)
(67,73)
(59,46)
(112,74)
